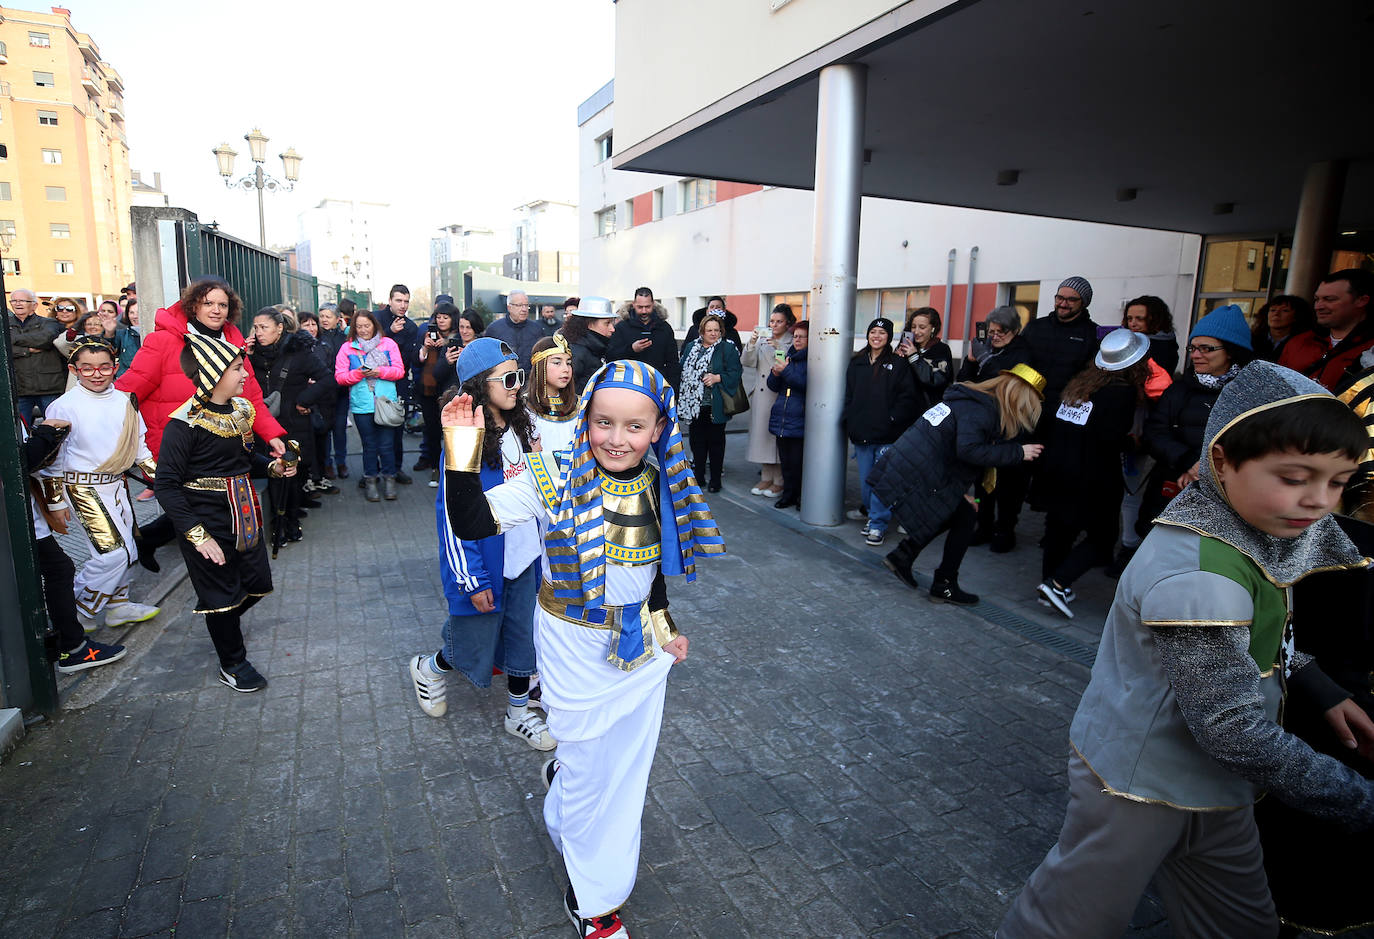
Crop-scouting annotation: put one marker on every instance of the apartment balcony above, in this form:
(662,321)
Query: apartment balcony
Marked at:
(115,106)
(5,91)
(112,78)
(89,81)
(93,110)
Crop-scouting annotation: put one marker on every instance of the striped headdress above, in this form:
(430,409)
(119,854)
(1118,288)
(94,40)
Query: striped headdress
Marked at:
(575,541)
(213,357)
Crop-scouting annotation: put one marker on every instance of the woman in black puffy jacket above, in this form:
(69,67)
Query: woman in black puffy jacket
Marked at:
(926,475)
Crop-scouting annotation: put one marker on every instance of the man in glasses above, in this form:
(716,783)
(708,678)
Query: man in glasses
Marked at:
(516,329)
(1063,344)
(40,373)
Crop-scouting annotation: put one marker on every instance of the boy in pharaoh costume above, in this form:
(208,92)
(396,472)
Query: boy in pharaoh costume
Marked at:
(612,525)
(105,442)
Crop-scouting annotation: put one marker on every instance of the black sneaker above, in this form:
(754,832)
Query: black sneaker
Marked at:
(421,465)
(242,677)
(402,478)
(90,654)
(608,926)
(944,590)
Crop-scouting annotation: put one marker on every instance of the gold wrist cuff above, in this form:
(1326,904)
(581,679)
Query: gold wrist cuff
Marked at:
(148,466)
(665,631)
(463,449)
(198,535)
(54,492)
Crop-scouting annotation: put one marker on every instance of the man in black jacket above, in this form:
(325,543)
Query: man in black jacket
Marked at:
(1062,345)
(402,331)
(645,335)
(40,371)
(516,329)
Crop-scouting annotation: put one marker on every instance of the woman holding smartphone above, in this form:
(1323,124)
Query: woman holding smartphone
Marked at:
(766,348)
(931,363)
(433,371)
(368,365)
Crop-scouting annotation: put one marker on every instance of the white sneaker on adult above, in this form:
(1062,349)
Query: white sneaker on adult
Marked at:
(757,491)
(128,613)
(88,622)
(855,515)
(430,687)
(530,727)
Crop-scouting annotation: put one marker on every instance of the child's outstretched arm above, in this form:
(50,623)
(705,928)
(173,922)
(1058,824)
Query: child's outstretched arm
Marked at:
(1216,684)
(472,513)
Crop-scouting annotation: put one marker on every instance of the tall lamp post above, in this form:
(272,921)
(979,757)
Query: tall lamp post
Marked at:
(257,149)
(349,266)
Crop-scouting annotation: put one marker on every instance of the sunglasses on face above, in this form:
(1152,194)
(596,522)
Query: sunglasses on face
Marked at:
(65,309)
(1206,350)
(511,380)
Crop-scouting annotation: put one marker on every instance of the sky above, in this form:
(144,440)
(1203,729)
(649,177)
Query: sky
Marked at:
(451,111)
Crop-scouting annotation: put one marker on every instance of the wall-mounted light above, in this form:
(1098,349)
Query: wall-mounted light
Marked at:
(1223,208)
(1127,194)
(1008,177)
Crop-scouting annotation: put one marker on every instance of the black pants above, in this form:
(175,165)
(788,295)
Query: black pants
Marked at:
(1000,510)
(790,459)
(960,525)
(227,634)
(429,409)
(58,574)
(321,440)
(708,445)
(1099,516)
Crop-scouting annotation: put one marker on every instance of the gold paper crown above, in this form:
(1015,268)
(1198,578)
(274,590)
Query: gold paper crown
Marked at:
(81,343)
(1028,375)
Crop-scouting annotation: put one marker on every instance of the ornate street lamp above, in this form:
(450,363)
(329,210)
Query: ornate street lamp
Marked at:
(257,150)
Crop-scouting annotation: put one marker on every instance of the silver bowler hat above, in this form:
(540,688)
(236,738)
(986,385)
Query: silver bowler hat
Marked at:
(596,308)
(1120,349)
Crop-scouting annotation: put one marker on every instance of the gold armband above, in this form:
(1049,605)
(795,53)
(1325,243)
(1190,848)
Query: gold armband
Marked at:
(148,467)
(463,449)
(198,535)
(54,492)
(665,631)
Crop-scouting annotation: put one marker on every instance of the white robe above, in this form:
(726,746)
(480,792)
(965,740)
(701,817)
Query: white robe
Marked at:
(605,720)
(97,423)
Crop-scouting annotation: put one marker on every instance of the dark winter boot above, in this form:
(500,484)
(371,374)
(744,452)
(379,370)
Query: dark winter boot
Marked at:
(946,590)
(389,488)
(148,538)
(1003,541)
(370,489)
(899,562)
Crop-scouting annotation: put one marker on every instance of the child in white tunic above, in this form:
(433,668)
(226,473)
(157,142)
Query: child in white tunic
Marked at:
(106,441)
(612,525)
(552,402)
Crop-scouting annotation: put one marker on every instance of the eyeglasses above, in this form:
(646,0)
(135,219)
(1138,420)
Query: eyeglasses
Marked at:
(1060,298)
(1206,350)
(518,306)
(511,380)
(998,331)
(90,371)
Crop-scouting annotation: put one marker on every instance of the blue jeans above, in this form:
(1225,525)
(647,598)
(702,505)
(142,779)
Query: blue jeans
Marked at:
(503,638)
(378,445)
(339,433)
(28,402)
(866,454)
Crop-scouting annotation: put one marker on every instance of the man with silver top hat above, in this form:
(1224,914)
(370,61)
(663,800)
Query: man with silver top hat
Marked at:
(1081,471)
(588,330)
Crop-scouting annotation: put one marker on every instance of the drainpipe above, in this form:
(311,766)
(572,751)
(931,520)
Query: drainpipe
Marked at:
(968,298)
(949,283)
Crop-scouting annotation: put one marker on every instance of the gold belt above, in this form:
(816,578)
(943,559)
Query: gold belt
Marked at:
(74,478)
(211,483)
(603,617)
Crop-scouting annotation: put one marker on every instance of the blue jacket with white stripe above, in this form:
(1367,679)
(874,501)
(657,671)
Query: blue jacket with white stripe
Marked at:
(468,567)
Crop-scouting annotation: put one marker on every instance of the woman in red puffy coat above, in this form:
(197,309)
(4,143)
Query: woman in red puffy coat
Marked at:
(159,386)
(155,378)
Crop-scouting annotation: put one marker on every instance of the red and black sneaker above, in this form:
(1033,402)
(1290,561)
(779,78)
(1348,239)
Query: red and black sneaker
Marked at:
(607,926)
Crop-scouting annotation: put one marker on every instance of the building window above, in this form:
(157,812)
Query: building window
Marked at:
(604,147)
(44,79)
(59,230)
(5,192)
(697,194)
(894,304)
(7,226)
(11,265)
(605,221)
(1026,299)
(47,118)
(658,205)
(40,40)
(630,221)
(55,193)
(64,267)
(52,157)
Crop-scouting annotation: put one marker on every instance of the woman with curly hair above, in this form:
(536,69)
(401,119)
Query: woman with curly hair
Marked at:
(490,583)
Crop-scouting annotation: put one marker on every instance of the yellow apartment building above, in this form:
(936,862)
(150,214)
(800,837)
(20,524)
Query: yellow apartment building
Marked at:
(65,182)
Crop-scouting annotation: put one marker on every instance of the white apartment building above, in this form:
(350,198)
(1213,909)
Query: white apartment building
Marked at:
(340,241)
(688,239)
(544,243)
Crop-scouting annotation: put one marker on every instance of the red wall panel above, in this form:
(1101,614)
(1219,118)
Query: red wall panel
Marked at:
(644,208)
(745,306)
(726,190)
(984,299)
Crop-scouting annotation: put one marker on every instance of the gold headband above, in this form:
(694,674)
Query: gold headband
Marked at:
(560,347)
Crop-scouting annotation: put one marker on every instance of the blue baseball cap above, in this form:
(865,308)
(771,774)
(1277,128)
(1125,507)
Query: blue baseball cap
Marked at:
(480,355)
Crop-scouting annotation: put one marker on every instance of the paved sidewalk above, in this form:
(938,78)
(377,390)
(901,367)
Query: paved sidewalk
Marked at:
(839,757)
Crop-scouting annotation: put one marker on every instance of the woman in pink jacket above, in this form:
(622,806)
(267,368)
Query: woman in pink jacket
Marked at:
(369,365)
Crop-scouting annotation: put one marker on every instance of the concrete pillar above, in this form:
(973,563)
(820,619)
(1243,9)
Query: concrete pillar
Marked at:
(834,280)
(1318,209)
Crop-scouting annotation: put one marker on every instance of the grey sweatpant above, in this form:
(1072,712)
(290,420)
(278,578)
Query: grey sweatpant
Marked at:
(1207,867)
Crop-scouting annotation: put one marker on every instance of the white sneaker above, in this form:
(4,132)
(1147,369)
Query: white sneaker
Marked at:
(89,623)
(874,537)
(308,486)
(128,613)
(1057,596)
(857,515)
(530,727)
(863,532)
(430,687)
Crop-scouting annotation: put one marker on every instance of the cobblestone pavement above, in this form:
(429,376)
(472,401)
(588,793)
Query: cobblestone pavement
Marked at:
(839,757)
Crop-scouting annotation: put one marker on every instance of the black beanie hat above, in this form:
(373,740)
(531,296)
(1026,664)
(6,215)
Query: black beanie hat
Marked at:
(885,323)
